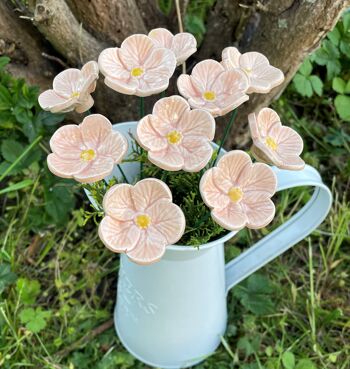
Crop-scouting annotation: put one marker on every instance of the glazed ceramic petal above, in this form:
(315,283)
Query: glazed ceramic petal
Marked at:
(118,202)
(51,101)
(235,164)
(184,45)
(258,178)
(148,135)
(196,153)
(110,65)
(135,49)
(198,123)
(230,57)
(98,169)
(64,168)
(168,219)
(259,214)
(288,141)
(232,217)
(114,146)
(261,123)
(205,73)
(169,159)
(171,109)
(147,191)
(149,249)
(161,37)
(84,105)
(118,236)
(67,82)
(188,89)
(95,128)
(67,142)
(211,194)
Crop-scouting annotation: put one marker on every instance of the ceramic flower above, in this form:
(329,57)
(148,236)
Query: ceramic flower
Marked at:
(213,88)
(183,44)
(177,137)
(274,143)
(141,220)
(262,76)
(138,67)
(86,152)
(71,90)
(238,192)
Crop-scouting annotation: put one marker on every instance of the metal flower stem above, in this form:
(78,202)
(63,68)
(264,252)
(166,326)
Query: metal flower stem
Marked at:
(226,132)
(122,173)
(142,113)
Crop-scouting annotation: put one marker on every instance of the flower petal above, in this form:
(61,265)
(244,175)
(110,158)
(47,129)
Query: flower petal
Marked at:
(121,86)
(135,49)
(118,202)
(67,142)
(187,88)
(168,219)
(147,191)
(230,57)
(289,142)
(114,146)
(118,236)
(95,128)
(211,194)
(291,162)
(65,167)
(149,249)
(89,73)
(150,133)
(235,165)
(111,66)
(197,122)
(184,45)
(261,123)
(98,169)
(49,100)
(231,217)
(196,153)
(259,214)
(258,178)
(161,37)
(206,72)
(171,109)
(168,159)
(85,105)
(67,82)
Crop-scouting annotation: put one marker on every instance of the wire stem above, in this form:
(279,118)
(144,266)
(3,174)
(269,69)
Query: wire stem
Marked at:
(142,107)
(123,174)
(226,132)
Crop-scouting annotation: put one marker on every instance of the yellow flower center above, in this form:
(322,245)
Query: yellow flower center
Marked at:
(209,95)
(143,221)
(235,194)
(87,155)
(75,94)
(271,143)
(248,70)
(137,72)
(174,137)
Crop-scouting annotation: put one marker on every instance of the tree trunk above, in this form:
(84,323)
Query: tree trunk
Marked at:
(77,30)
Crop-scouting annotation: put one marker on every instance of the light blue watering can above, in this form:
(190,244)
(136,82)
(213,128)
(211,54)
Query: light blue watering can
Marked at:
(171,314)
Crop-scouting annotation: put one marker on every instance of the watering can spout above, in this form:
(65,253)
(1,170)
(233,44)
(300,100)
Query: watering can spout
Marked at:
(288,234)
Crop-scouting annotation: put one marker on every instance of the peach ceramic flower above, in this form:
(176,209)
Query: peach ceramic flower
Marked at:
(138,67)
(238,192)
(71,90)
(183,44)
(141,220)
(213,88)
(86,152)
(274,143)
(262,76)
(177,137)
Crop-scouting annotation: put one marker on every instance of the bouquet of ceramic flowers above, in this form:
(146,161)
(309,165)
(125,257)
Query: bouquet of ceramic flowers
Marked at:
(187,190)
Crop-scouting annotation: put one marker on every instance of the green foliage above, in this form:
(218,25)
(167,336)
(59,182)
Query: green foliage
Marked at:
(24,130)
(35,320)
(6,276)
(165,6)
(28,290)
(306,83)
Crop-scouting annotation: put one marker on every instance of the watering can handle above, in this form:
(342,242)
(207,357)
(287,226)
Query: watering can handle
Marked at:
(289,233)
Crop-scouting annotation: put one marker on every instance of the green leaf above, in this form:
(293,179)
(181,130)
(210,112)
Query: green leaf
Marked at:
(17,186)
(28,290)
(306,68)
(5,98)
(317,84)
(4,60)
(288,360)
(334,36)
(165,6)
(346,22)
(11,149)
(347,88)
(196,26)
(305,364)
(342,106)
(6,276)
(338,85)
(302,85)
(34,320)
(49,119)
(333,69)
(255,294)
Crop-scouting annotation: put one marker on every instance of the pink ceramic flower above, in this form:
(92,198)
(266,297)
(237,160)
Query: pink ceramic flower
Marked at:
(183,44)
(213,88)
(138,67)
(141,220)
(71,90)
(262,76)
(86,152)
(177,137)
(274,143)
(238,192)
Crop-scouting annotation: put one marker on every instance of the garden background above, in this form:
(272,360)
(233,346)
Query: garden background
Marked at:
(57,280)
